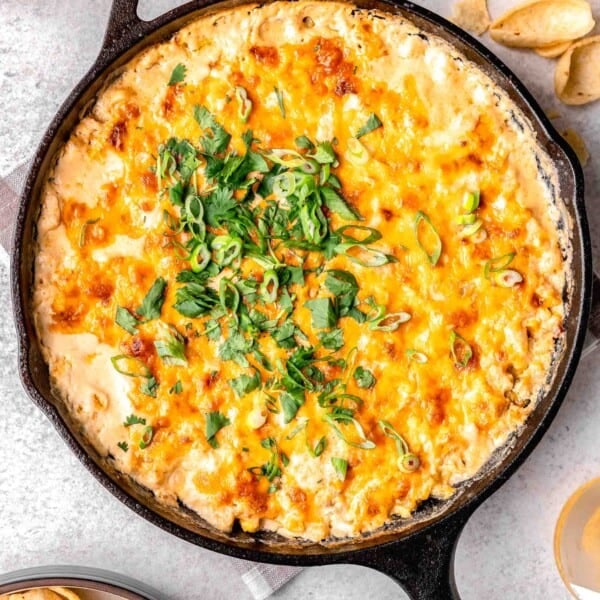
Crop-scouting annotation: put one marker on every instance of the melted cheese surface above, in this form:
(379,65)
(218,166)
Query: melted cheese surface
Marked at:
(447,131)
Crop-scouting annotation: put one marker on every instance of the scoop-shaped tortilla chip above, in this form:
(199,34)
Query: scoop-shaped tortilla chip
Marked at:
(553,51)
(577,76)
(543,23)
(51,593)
(471,15)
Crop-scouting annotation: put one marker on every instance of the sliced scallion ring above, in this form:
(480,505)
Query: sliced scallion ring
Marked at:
(356,153)
(284,184)
(479,236)
(461,350)
(390,321)
(472,229)
(227,248)
(471,201)
(435,241)
(507,278)
(130,366)
(466,219)
(314,224)
(365,256)
(229,296)
(355,235)
(269,286)
(416,356)
(194,209)
(199,258)
(333,420)
(245,103)
(495,265)
(409,462)
(147,436)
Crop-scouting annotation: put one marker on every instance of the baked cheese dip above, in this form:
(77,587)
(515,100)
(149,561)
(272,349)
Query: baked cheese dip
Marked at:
(299,268)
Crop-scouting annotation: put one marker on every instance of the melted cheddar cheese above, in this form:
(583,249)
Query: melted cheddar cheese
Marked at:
(447,131)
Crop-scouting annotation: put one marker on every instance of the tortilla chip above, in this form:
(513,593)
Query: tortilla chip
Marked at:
(51,593)
(471,15)
(553,51)
(543,23)
(577,76)
(576,142)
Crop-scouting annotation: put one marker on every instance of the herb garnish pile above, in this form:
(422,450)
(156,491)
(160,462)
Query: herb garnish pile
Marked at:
(250,226)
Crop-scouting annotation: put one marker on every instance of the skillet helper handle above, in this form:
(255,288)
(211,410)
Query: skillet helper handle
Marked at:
(424,565)
(124,27)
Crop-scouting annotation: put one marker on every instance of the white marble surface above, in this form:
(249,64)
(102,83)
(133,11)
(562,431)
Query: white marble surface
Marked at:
(53,511)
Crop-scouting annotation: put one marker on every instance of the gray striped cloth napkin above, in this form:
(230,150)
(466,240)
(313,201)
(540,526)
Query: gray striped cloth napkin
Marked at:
(261,579)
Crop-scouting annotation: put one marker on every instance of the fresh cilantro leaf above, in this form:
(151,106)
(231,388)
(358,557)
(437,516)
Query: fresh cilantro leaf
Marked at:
(134,420)
(373,122)
(323,313)
(171,349)
(219,140)
(178,74)
(304,142)
(177,388)
(336,204)
(291,403)
(235,348)
(212,330)
(332,340)
(285,302)
(123,445)
(215,421)
(244,384)
(194,300)
(364,378)
(152,303)
(324,154)
(219,207)
(344,287)
(149,387)
(284,335)
(126,320)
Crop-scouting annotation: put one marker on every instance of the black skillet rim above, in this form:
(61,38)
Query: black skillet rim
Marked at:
(328,555)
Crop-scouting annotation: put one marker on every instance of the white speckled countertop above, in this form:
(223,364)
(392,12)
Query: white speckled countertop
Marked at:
(53,511)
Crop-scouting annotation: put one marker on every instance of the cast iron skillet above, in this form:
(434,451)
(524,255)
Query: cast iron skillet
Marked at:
(417,552)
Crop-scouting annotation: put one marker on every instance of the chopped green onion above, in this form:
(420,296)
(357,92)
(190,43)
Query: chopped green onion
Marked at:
(269,286)
(227,248)
(229,296)
(354,234)
(356,153)
(507,278)
(284,184)
(314,224)
(83,232)
(416,356)
(333,419)
(409,462)
(461,350)
(497,264)
(200,251)
(466,219)
(130,366)
(280,101)
(436,249)
(472,229)
(319,448)
(390,321)
(245,103)
(147,437)
(365,256)
(341,467)
(471,201)
(302,425)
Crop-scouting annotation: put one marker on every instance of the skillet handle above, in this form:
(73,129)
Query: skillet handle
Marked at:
(124,27)
(424,564)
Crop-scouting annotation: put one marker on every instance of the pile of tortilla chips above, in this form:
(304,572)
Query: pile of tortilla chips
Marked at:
(553,28)
(49,593)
